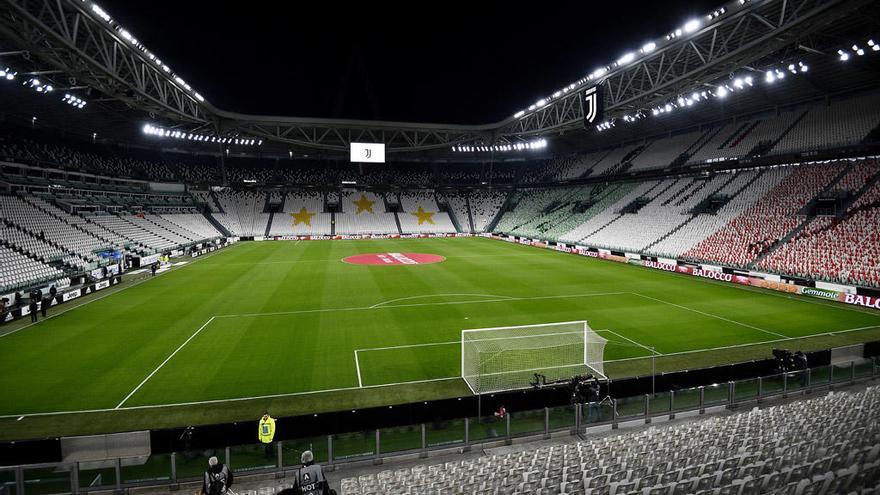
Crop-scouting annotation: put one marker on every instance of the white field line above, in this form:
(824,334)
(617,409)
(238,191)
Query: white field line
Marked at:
(710,315)
(357,365)
(102,296)
(649,349)
(735,346)
(437,295)
(164,362)
(235,399)
(414,382)
(367,308)
(428,344)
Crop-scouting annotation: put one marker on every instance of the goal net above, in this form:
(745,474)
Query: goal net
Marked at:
(507,358)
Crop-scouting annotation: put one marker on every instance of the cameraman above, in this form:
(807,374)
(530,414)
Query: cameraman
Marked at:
(218,478)
(310,478)
(594,397)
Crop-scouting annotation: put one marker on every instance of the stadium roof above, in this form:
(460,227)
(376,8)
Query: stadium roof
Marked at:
(697,71)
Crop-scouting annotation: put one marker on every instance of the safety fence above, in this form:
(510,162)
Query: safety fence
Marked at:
(374,446)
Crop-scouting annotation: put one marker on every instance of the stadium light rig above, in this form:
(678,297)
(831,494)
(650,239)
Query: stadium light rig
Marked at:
(38,86)
(131,40)
(153,130)
(7,74)
(735,84)
(537,144)
(74,101)
(691,26)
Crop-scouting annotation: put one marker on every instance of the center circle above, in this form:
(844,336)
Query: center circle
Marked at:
(394,259)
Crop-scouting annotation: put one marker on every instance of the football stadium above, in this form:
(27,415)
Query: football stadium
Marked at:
(239,256)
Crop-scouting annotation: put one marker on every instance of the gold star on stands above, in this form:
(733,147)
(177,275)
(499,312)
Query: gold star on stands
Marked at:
(302,217)
(364,204)
(424,216)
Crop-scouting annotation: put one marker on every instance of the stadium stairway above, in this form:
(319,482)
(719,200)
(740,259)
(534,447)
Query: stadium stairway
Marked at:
(467,202)
(701,142)
(216,203)
(664,236)
(858,194)
(745,133)
(444,207)
(217,225)
(504,207)
(397,222)
(739,130)
(788,129)
(269,223)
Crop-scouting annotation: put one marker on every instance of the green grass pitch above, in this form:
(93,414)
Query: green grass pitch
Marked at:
(278,324)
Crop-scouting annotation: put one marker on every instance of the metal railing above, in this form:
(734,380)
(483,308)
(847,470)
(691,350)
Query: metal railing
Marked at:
(372,446)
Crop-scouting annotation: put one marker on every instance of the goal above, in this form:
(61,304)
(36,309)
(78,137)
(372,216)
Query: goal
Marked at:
(507,358)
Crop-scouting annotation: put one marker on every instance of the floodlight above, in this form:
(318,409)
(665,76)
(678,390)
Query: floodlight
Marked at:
(738,83)
(692,25)
(627,58)
(722,92)
(519,114)
(649,47)
(100,12)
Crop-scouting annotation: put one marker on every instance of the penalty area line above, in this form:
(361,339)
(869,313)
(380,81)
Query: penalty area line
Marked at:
(141,384)
(649,349)
(357,365)
(234,399)
(710,315)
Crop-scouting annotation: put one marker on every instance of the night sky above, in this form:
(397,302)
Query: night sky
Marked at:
(470,62)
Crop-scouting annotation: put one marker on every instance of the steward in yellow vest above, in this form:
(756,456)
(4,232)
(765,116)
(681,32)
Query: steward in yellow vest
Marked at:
(266,433)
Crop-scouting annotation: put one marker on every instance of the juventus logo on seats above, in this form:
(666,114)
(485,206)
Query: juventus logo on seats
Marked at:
(368,153)
(591,102)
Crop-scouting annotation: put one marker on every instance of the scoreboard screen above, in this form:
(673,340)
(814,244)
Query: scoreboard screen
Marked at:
(368,152)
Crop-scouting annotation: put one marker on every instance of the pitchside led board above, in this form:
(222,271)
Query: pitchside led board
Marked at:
(593,106)
(368,152)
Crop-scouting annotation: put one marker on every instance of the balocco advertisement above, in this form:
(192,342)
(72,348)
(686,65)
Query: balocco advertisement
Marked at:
(659,266)
(858,300)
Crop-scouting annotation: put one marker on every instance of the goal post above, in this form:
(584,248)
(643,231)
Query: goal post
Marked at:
(507,358)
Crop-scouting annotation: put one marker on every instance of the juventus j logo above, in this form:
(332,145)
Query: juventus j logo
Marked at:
(591,108)
(368,153)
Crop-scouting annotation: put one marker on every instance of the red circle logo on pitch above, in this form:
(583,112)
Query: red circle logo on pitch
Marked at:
(394,259)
